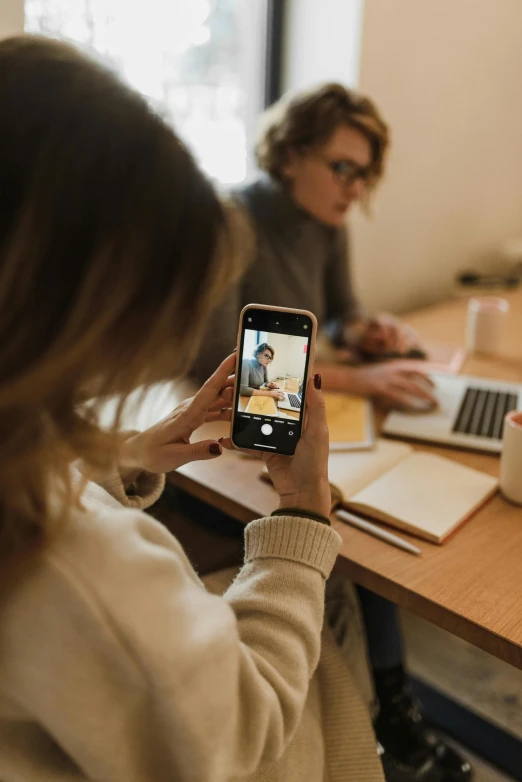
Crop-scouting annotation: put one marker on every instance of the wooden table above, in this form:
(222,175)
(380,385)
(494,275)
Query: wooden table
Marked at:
(471,586)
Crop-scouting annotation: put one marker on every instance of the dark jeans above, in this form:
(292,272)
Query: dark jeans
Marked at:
(383,630)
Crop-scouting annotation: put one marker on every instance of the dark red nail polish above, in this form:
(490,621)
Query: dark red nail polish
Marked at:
(215,449)
(317,382)
(221,439)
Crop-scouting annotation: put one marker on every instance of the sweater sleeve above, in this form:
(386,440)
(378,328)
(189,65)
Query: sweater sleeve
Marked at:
(141,494)
(187,685)
(342,306)
(245,388)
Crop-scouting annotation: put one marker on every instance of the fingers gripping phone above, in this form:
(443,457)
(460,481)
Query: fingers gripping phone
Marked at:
(276,348)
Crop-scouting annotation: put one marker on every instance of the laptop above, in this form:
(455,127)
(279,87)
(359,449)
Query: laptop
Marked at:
(291,401)
(470,414)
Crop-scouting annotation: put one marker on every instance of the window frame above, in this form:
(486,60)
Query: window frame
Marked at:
(275,38)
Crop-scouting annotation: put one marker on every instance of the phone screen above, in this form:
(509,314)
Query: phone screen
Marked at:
(273,356)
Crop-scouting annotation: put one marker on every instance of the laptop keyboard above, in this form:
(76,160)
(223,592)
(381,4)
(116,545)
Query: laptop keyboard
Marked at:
(294,400)
(482,412)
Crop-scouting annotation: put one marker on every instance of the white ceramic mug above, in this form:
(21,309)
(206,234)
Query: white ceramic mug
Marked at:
(511,459)
(487,316)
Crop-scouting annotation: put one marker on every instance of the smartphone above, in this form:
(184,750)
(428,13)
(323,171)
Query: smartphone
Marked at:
(275,355)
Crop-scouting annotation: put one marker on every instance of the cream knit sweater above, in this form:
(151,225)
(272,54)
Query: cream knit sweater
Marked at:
(117,665)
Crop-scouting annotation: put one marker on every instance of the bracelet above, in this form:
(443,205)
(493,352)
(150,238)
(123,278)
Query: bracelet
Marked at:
(306,514)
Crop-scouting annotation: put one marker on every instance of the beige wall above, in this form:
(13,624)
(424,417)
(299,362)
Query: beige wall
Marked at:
(447,76)
(11,17)
(290,358)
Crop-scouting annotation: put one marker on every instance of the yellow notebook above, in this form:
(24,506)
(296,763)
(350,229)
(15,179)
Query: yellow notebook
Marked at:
(261,405)
(426,495)
(350,422)
(350,419)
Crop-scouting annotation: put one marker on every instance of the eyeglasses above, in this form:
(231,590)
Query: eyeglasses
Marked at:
(348,172)
(268,356)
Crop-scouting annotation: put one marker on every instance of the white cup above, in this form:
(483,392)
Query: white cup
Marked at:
(511,459)
(487,318)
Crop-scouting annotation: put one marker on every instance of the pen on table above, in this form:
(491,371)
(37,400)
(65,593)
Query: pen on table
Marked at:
(377,532)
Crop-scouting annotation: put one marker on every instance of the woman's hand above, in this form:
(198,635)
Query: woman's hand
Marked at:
(302,480)
(272,385)
(392,385)
(166,445)
(385,334)
(276,394)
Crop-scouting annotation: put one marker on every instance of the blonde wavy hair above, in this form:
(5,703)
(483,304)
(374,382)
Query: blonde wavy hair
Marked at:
(307,120)
(113,247)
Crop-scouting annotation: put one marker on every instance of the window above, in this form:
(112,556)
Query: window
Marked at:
(251,340)
(201,64)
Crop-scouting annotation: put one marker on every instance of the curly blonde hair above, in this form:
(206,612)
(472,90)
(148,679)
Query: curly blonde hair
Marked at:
(308,119)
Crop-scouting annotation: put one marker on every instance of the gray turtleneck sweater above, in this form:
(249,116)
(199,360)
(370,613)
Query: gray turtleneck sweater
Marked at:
(298,262)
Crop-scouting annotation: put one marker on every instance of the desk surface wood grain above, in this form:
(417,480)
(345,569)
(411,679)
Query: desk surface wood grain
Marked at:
(472,585)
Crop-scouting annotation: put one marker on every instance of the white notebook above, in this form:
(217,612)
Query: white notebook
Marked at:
(426,495)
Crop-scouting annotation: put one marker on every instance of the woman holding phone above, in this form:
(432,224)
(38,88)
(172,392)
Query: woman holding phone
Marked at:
(116,662)
(320,152)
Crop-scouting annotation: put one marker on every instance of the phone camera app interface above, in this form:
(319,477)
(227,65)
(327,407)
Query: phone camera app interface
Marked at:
(272,370)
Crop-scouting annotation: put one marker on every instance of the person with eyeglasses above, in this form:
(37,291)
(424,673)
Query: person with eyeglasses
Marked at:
(254,374)
(321,152)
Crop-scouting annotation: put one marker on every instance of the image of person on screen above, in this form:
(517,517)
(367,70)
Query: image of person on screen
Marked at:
(254,374)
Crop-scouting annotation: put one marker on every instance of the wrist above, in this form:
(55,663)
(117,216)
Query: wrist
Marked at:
(129,463)
(318,501)
(338,378)
(305,514)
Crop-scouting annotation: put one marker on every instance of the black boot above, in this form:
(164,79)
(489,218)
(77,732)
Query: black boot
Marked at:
(395,771)
(402,731)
